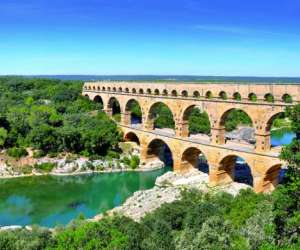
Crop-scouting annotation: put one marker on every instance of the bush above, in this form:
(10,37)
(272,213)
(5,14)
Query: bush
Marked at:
(113,154)
(17,152)
(38,154)
(45,167)
(134,162)
(126,161)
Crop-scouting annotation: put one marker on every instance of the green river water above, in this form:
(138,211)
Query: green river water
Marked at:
(51,200)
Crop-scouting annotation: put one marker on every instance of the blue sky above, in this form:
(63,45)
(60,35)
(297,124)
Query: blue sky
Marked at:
(190,37)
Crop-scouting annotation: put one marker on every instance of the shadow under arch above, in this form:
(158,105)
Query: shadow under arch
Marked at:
(272,178)
(134,107)
(98,99)
(132,137)
(193,157)
(115,108)
(236,169)
(158,149)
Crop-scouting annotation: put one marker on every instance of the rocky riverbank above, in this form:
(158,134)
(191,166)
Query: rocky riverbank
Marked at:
(168,188)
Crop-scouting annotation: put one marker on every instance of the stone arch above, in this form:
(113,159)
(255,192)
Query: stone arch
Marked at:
(230,172)
(184,93)
(270,120)
(227,112)
(103,88)
(133,91)
(156,92)
(271,178)
(174,93)
(134,111)
(114,108)
(208,94)
(287,98)
(149,91)
(98,88)
(132,137)
(158,149)
(165,92)
(108,88)
(120,89)
(94,88)
(152,114)
(223,95)
(196,94)
(127,90)
(269,97)
(99,100)
(237,96)
(141,91)
(185,130)
(193,157)
(252,97)
(114,89)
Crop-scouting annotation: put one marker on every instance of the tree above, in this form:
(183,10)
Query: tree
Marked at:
(3,136)
(199,122)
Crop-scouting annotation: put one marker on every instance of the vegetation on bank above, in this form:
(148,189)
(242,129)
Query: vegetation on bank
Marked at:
(51,116)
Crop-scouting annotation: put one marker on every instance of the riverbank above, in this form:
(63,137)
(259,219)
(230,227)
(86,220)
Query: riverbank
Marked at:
(168,188)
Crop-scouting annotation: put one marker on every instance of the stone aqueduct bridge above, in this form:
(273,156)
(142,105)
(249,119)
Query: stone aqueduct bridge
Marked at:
(181,98)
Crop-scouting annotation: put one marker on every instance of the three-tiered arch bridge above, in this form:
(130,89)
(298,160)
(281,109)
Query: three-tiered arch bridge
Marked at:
(262,103)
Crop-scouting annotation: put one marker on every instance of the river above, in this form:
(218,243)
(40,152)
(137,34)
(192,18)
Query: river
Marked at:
(51,200)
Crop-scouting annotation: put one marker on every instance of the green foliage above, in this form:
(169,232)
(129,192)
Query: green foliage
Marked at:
(52,116)
(253,97)
(269,98)
(236,117)
(17,152)
(45,167)
(3,136)
(134,161)
(163,117)
(199,122)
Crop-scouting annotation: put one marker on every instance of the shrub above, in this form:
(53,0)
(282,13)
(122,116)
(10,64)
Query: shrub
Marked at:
(45,167)
(38,154)
(113,154)
(126,161)
(17,152)
(134,161)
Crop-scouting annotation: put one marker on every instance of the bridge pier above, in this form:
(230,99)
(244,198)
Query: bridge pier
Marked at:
(218,135)
(182,129)
(126,118)
(263,142)
(109,112)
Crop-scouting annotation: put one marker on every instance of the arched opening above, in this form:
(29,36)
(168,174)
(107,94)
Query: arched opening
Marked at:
(108,89)
(252,97)
(194,158)
(99,100)
(114,107)
(134,108)
(156,92)
(120,89)
(94,88)
(149,91)
(174,93)
(165,92)
(196,124)
(133,91)
(235,169)
(159,150)
(184,93)
(272,178)
(287,98)
(127,90)
(269,97)
(237,96)
(132,137)
(223,95)
(209,95)
(239,129)
(114,89)
(98,88)
(196,94)
(141,91)
(279,126)
(103,88)
(160,117)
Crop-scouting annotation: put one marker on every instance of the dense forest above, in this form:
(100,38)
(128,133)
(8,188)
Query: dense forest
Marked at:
(51,116)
